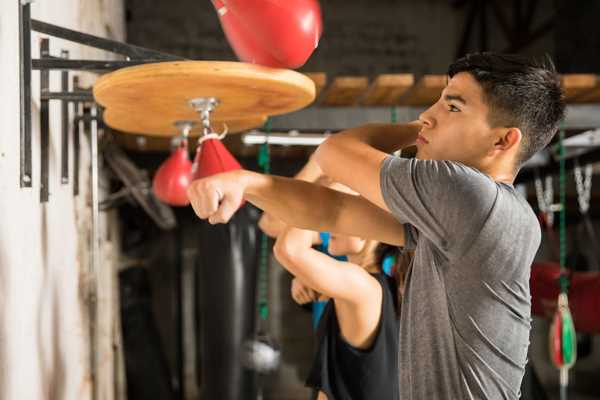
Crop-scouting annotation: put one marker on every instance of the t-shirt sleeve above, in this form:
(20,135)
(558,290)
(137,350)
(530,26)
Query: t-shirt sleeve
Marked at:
(444,201)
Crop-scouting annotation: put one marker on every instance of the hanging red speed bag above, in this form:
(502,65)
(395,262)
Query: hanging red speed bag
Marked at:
(212,157)
(172,179)
(274,33)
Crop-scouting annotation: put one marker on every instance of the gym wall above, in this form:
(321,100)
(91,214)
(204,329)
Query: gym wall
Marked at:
(44,257)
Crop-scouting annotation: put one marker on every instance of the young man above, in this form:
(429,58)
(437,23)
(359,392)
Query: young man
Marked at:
(465,317)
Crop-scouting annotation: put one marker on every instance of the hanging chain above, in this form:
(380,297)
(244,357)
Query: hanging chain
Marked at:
(545,196)
(583,184)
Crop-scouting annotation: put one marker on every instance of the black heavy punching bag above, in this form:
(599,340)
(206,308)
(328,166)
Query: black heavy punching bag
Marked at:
(146,367)
(226,274)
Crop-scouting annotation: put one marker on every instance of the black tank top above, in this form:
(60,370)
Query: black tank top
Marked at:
(344,372)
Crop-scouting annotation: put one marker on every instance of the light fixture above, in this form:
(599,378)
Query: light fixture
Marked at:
(286,139)
(578,145)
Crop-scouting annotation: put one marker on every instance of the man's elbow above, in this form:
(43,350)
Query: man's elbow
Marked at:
(270,225)
(327,155)
(320,155)
(334,150)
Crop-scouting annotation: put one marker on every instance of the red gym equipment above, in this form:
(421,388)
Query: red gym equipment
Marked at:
(584,295)
(274,33)
(175,174)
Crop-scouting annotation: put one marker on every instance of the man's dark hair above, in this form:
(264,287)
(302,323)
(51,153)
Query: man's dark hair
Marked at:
(520,93)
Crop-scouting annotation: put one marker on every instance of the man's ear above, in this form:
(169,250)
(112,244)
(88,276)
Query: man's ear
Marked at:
(508,138)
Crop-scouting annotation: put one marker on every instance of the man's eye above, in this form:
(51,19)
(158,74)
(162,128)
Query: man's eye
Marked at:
(452,108)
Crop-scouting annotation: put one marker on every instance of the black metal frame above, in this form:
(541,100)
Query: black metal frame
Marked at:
(64,86)
(76,145)
(25,95)
(134,55)
(44,125)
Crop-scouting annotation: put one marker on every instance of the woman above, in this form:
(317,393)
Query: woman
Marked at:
(358,333)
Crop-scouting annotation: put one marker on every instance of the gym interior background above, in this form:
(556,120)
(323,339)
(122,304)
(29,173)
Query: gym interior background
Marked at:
(134,317)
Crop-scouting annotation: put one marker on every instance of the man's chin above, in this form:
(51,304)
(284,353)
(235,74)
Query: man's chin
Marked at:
(421,155)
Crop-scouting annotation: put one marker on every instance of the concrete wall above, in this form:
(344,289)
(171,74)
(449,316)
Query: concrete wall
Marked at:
(44,256)
(361,37)
(577,29)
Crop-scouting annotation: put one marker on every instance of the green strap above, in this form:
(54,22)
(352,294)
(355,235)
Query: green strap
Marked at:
(568,334)
(264,154)
(393,115)
(264,162)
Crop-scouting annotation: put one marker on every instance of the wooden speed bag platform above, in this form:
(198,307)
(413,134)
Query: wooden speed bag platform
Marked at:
(150,98)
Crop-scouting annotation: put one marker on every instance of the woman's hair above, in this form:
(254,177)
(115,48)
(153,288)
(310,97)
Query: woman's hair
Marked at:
(400,271)
(375,252)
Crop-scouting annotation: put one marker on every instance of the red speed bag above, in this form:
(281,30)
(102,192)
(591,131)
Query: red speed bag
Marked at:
(274,33)
(173,178)
(584,295)
(212,157)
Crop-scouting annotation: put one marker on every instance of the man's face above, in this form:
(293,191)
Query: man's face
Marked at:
(456,128)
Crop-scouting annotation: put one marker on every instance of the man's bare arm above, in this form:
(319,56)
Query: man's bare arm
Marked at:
(272,226)
(297,203)
(353,157)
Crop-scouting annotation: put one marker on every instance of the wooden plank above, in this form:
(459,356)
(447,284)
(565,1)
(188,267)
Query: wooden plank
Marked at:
(577,87)
(387,89)
(345,91)
(592,95)
(425,92)
(320,80)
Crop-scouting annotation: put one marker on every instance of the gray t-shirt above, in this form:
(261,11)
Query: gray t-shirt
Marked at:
(465,321)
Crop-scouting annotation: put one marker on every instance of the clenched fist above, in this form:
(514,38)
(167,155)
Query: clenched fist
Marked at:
(218,197)
(301,293)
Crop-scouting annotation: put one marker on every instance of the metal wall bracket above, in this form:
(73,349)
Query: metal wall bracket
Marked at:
(133,55)
(44,125)
(88,117)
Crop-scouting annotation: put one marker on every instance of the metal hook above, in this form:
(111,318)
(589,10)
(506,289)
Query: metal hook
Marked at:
(205,106)
(185,127)
(213,135)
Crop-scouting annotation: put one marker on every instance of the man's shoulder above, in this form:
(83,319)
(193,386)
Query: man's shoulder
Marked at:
(441,171)
(515,215)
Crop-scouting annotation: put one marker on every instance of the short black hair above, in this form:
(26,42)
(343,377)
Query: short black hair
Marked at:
(520,93)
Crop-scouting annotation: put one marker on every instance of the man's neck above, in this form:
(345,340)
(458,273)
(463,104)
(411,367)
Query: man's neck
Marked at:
(500,170)
(500,175)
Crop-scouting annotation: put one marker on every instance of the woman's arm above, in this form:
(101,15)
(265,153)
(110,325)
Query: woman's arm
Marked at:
(272,227)
(341,280)
(357,294)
